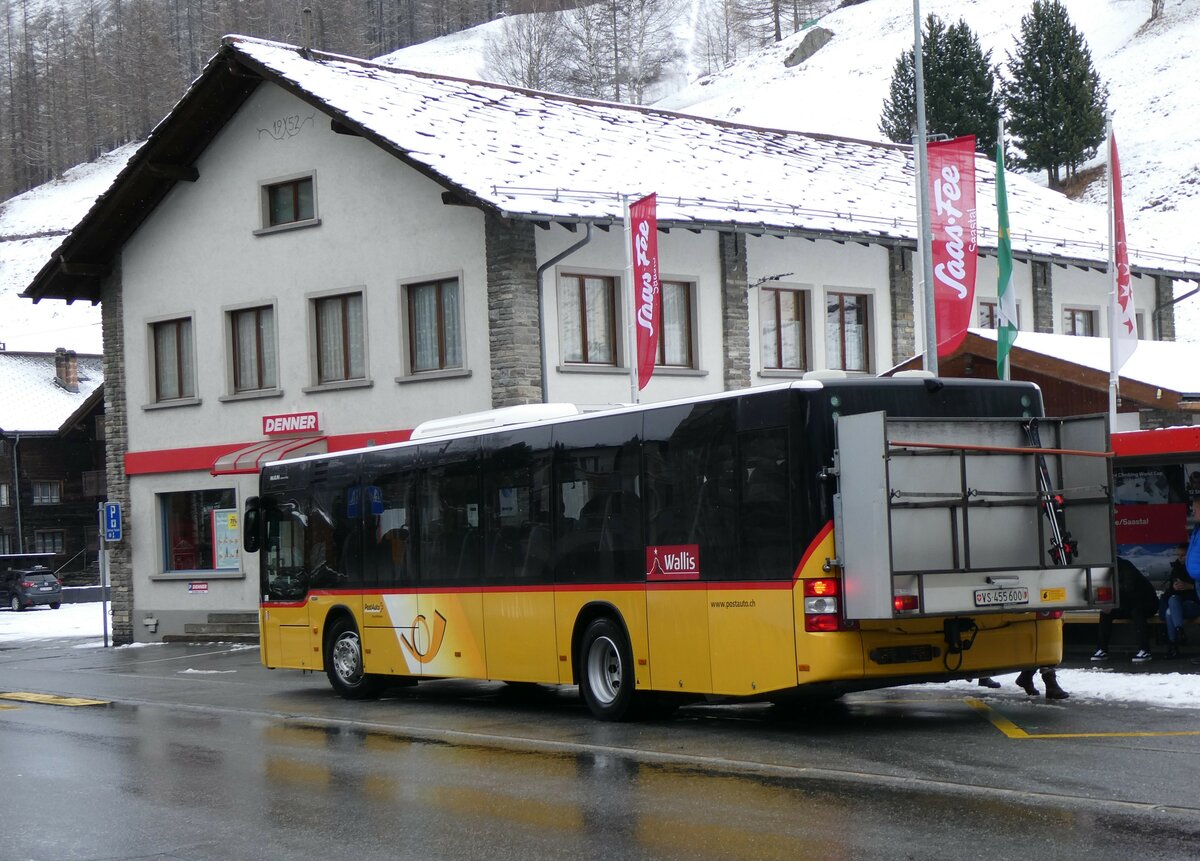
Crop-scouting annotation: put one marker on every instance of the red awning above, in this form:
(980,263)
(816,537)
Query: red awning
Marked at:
(252,457)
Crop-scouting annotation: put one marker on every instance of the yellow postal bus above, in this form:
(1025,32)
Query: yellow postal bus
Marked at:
(815,537)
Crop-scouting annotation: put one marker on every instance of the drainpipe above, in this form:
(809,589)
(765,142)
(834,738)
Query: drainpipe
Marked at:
(541,271)
(17,492)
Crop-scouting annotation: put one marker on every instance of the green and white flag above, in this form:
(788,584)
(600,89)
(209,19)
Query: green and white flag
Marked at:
(1006,323)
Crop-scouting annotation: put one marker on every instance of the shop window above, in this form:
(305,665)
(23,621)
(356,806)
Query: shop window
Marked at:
(47,492)
(675,337)
(587,315)
(198,532)
(252,345)
(49,541)
(783,316)
(435,339)
(340,338)
(174,360)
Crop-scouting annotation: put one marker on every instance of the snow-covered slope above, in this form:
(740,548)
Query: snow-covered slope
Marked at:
(32,225)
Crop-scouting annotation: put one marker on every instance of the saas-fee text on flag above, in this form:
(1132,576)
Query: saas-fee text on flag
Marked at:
(954,238)
(646,302)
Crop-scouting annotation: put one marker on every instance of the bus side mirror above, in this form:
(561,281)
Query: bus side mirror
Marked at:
(252,526)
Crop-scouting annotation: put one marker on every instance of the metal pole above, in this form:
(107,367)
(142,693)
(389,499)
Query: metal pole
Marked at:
(1114,377)
(102,565)
(924,229)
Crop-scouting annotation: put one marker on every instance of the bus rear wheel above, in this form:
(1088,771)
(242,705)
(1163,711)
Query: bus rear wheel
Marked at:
(606,675)
(344,664)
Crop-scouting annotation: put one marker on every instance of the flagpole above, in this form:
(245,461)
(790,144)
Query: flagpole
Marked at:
(1114,379)
(630,302)
(924,249)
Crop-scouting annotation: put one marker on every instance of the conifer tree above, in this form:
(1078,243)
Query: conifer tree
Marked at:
(1054,97)
(960,88)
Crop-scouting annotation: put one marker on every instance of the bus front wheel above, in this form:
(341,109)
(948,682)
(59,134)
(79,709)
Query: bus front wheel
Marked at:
(344,663)
(606,674)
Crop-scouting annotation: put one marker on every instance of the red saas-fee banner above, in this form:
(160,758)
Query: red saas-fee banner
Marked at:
(955,252)
(646,302)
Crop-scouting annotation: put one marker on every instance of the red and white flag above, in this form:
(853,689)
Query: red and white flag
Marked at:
(646,301)
(954,239)
(1124,333)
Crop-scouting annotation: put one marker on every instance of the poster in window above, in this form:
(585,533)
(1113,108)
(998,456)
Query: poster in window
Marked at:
(225,539)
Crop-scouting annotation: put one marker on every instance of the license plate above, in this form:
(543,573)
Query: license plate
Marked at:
(996,597)
(45,588)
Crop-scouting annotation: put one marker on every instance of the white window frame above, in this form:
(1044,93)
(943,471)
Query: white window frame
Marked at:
(229,312)
(265,227)
(312,300)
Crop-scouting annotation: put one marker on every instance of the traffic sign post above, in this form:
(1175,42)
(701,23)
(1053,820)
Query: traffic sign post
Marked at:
(112,521)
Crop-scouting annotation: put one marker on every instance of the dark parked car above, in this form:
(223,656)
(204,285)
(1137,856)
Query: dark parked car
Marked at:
(25,583)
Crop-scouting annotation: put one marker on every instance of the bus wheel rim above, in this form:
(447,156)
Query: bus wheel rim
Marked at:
(347,659)
(604,670)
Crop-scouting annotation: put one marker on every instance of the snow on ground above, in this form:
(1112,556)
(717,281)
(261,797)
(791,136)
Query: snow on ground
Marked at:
(83,623)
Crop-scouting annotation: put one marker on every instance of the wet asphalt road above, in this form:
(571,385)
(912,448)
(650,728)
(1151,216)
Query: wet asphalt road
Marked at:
(197,752)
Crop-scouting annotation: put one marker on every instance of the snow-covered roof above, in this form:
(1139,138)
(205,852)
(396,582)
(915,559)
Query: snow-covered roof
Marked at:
(546,157)
(538,155)
(1161,364)
(31,401)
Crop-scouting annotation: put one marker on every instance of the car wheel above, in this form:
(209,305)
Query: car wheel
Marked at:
(606,675)
(15,604)
(54,605)
(344,663)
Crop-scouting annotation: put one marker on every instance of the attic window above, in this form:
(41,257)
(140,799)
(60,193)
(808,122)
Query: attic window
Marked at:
(288,202)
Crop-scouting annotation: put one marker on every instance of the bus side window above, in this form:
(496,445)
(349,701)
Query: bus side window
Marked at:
(765,510)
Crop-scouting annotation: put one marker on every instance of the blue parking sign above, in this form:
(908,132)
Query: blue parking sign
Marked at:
(112,521)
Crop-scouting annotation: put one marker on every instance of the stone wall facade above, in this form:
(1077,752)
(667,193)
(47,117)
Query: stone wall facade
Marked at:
(900,287)
(514,340)
(735,311)
(1043,296)
(116,409)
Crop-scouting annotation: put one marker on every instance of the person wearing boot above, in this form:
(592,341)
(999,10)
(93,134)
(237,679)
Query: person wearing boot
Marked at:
(1049,679)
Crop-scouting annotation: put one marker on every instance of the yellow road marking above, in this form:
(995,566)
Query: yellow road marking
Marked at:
(1011,730)
(49,699)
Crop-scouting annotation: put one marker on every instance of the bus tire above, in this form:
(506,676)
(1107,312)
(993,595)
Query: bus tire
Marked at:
(344,663)
(606,674)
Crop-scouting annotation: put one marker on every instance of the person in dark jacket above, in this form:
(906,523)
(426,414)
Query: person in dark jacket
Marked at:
(1136,601)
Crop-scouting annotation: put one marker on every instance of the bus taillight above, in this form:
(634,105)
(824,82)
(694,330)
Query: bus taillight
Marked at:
(821,604)
(1104,594)
(905,603)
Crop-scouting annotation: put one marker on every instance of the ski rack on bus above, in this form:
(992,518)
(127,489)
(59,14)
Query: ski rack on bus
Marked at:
(944,517)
